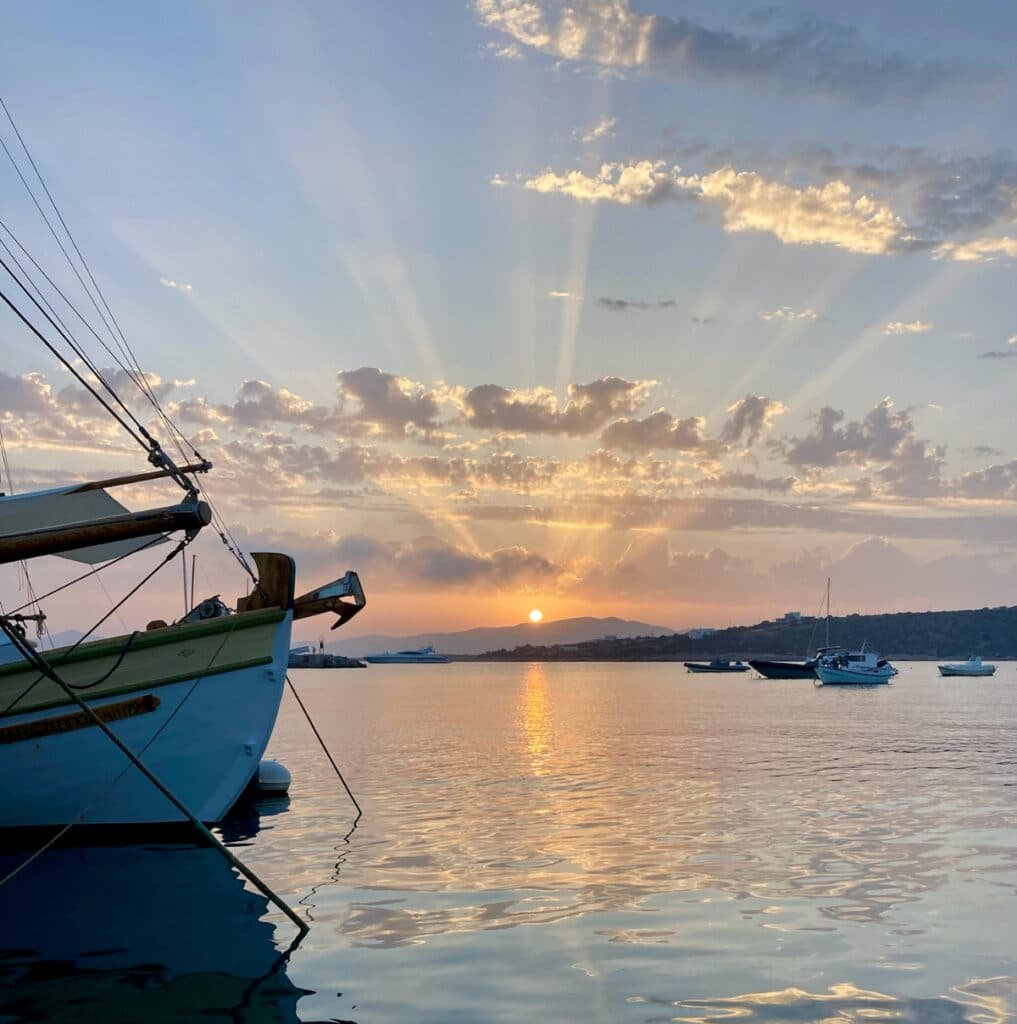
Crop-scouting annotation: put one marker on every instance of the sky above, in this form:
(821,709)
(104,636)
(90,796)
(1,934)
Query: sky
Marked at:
(660,310)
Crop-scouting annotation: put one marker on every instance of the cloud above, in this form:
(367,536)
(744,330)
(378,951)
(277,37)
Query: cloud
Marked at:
(431,561)
(588,408)
(911,467)
(787,313)
(1012,340)
(569,296)
(388,402)
(1006,354)
(659,430)
(168,282)
(508,51)
(815,56)
(978,250)
(998,481)
(750,482)
(647,181)
(749,418)
(603,129)
(912,327)
(624,305)
(830,214)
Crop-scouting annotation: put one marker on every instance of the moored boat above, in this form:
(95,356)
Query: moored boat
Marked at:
(845,668)
(423,656)
(974,666)
(784,669)
(716,665)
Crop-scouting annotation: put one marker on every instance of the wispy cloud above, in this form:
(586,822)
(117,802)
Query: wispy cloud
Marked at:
(912,327)
(814,56)
(787,313)
(624,305)
(569,296)
(168,282)
(508,51)
(1006,354)
(603,129)
(978,250)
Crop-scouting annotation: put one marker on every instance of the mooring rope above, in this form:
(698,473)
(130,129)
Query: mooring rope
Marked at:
(328,754)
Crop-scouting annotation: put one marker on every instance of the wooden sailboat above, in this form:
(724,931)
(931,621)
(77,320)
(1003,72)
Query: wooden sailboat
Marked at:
(89,733)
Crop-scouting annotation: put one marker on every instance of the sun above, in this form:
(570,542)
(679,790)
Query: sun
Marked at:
(536,615)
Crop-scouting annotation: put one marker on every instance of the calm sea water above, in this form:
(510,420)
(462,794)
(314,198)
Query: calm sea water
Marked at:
(570,843)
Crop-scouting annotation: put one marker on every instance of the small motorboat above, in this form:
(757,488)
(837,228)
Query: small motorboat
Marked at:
(716,665)
(972,667)
(845,668)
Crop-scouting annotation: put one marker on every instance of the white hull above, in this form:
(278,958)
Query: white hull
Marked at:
(846,677)
(204,741)
(949,670)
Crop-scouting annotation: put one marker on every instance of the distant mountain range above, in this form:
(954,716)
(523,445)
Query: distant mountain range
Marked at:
(990,632)
(489,638)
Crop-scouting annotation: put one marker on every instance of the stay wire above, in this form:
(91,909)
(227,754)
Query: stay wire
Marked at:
(136,374)
(125,346)
(67,363)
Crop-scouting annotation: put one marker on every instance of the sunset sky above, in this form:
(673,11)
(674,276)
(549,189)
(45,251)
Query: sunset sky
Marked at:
(661,310)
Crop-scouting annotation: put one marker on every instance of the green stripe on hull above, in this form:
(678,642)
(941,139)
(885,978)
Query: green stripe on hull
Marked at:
(156,658)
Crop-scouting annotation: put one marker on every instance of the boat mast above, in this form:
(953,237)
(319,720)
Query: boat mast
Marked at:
(827,644)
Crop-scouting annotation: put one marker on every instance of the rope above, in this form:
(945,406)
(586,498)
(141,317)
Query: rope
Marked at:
(43,666)
(328,754)
(77,643)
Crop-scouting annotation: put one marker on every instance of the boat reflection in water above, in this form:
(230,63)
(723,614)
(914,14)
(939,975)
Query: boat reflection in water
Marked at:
(139,933)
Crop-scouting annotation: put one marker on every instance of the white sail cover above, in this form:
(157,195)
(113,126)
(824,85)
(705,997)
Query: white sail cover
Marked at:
(61,506)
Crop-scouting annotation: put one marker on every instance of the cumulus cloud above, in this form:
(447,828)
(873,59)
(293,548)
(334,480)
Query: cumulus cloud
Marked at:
(814,56)
(658,430)
(830,214)
(603,129)
(168,282)
(787,313)
(749,418)
(588,408)
(997,481)
(508,51)
(911,327)
(911,466)
(624,305)
(388,402)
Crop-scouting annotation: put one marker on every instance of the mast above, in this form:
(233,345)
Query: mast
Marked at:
(827,644)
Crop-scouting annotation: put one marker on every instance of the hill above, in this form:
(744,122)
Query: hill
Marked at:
(486,638)
(990,632)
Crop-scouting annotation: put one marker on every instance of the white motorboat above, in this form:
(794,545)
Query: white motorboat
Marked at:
(974,666)
(845,668)
(423,656)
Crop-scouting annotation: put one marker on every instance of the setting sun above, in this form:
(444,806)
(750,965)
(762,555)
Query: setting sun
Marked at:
(536,615)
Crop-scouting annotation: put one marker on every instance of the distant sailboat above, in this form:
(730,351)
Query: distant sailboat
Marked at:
(797,669)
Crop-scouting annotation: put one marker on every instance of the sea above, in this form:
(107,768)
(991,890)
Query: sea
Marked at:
(566,842)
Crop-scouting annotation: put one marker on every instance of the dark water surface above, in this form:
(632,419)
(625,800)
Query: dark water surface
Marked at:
(570,843)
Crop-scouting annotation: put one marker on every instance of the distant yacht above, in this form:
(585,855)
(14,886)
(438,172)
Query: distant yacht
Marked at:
(972,667)
(843,668)
(798,669)
(424,656)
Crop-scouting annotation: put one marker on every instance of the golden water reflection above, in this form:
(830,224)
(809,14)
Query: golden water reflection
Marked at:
(499,796)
